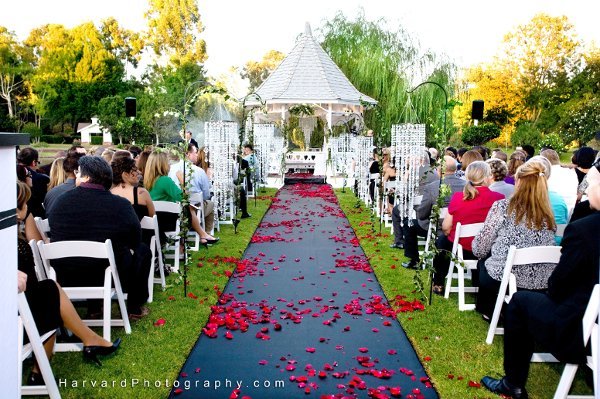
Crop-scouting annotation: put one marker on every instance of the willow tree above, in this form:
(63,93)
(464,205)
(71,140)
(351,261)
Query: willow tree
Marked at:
(385,65)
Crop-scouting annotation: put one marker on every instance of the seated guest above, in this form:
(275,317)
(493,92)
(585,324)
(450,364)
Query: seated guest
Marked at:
(431,192)
(499,154)
(162,188)
(553,319)
(499,172)
(197,183)
(562,180)
(29,158)
(373,174)
(516,159)
(466,159)
(50,306)
(583,159)
(557,203)
(70,165)
(125,184)
(57,174)
(90,212)
(467,207)
(389,175)
(526,220)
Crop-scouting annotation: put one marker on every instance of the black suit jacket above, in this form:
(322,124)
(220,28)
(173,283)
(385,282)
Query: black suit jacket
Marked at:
(570,284)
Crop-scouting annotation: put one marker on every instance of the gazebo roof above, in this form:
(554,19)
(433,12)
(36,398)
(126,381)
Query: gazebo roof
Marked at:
(309,75)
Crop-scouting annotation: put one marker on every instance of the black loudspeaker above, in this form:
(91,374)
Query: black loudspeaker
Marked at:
(477,111)
(130,107)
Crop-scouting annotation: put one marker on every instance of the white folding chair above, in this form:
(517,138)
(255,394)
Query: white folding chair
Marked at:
(197,204)
(43,227)
(590,332)
(462,231)
(431,229)
(40,270)
(97,250)
(516,257)
(151,224)
(173,238)
(35,346)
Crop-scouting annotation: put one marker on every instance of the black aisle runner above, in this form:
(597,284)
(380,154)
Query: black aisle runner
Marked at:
(303,316)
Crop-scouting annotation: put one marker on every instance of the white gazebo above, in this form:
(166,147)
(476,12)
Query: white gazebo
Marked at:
(89,129)
(308,76)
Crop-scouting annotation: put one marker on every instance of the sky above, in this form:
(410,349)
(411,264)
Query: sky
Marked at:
(236,31)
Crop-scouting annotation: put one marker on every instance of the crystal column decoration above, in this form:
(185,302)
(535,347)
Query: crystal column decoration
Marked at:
(222,141)
(264,137)
(408,146)
(342,153)
(364,155)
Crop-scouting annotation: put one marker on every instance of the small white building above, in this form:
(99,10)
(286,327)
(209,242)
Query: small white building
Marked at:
(87,130)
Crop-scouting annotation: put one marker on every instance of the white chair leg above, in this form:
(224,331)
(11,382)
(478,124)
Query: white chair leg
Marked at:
(40,354)
(566,380)
(449,280)
(106,306)
(122,307)
(151,273)
(493,330)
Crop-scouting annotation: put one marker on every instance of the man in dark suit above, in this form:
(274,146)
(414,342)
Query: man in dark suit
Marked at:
(420,225)
(29,157)
(90,212)
(553,319)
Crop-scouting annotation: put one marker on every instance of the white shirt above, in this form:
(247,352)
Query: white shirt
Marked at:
(199,181)
(564,182)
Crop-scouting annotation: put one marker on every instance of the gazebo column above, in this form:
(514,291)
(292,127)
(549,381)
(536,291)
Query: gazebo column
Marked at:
(329,116)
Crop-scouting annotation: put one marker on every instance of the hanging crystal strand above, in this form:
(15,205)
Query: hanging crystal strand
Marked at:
(222,141)
(408,141)
(264,135)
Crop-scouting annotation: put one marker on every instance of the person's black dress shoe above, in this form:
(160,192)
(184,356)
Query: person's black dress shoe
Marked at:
(246,216)
(92,352)
(410,265)
(504,388)
(397,246)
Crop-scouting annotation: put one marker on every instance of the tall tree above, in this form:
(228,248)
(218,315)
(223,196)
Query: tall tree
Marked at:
(385,64)
(543,54)
(257,71)
(174,27)
(125,44)
(14,66)
(74,69)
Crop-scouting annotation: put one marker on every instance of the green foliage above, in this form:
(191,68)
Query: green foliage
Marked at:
(382,64)
(554,141)
(52,139)
(580,119)
(96,140)
(257,71)
(7,124)
(480,134)
(318,135)
(133,130)
(526,133)
(110,110)
(173,30)
(33,130)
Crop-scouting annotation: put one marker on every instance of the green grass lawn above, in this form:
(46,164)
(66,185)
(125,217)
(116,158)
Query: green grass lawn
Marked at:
(450,343)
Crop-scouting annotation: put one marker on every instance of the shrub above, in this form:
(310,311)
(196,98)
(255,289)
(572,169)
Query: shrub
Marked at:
(554,141)
(96,140)
(481,134)
(52,139)
(526,133)
(33,130)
